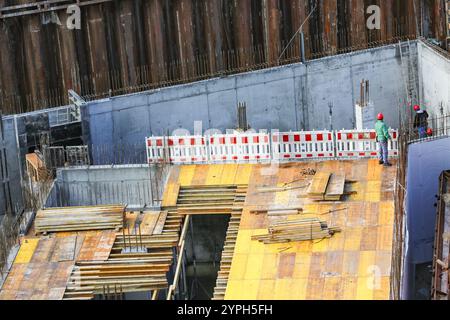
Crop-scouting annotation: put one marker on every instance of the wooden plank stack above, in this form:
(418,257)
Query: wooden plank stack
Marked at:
(119,275)
(79,218)
(318,186)
(327,187)
(141,267)
(335,188)
(297,230)
(203,200)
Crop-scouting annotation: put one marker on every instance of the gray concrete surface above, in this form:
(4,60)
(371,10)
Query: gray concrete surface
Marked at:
(291,97)
(434,74)
(95,185)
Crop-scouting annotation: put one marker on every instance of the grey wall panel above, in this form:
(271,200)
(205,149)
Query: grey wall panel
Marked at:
(95,185)
(291,97)
(435,80)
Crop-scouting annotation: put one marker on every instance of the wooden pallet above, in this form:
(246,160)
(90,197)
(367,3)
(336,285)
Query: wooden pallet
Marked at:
(79,218)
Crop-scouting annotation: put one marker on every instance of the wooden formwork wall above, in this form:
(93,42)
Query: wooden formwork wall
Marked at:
(140,43)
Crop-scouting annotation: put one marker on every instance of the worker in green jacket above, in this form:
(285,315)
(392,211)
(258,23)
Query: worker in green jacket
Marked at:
(382,138)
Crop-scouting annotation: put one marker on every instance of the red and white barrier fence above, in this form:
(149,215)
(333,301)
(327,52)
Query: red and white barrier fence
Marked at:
(239,147)
(362,144)
(190,149)
(156,147)
(302,145)
(261,147)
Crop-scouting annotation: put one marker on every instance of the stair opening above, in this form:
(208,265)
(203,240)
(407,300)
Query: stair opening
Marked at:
(204,245)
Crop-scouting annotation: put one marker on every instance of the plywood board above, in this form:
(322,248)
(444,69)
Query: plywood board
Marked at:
(26,250)
(160,223)
(149,222)
(335,188)
(65,249)
(97,246)
(319,185)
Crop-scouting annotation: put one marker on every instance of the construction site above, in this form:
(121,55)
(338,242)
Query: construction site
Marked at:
(224,150)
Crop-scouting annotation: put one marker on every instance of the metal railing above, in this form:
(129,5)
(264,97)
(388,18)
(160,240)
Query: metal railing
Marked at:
(440,127)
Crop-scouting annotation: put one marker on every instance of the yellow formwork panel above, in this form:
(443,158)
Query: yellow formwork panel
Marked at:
(385,237)
(214,175)
(229,174)
(26,250)
(283,289)
(298,289)
(320,245)
(242,290)
(244,240)
(365,288)
(302,266)
(350,264)
(352,240)
(386,213)
(186,174)
(243,174)
(332,288)
(266,289)
(269,267)
(349,288)
(366,263)
(254,266)
(373,191)
(238,266)
(374,170)
(335,268)
(384,290)
(170,196)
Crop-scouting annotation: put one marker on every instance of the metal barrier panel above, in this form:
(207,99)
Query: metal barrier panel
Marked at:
(393,144)
(362,144)
(187,149)
(239,147)
(155,149)
(302,145)
(261,147)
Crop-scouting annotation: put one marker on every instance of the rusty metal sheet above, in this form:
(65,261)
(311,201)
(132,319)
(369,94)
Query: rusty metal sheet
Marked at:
(97,246)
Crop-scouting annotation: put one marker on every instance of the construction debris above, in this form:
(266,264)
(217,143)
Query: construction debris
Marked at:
(79,218)
(308,172)
(297,230)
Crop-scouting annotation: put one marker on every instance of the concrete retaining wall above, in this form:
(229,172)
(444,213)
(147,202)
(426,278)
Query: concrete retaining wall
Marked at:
(95,185)
(434,72)
(292,97)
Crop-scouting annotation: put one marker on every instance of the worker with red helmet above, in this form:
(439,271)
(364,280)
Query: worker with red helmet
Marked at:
(382,138)
(421,121)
